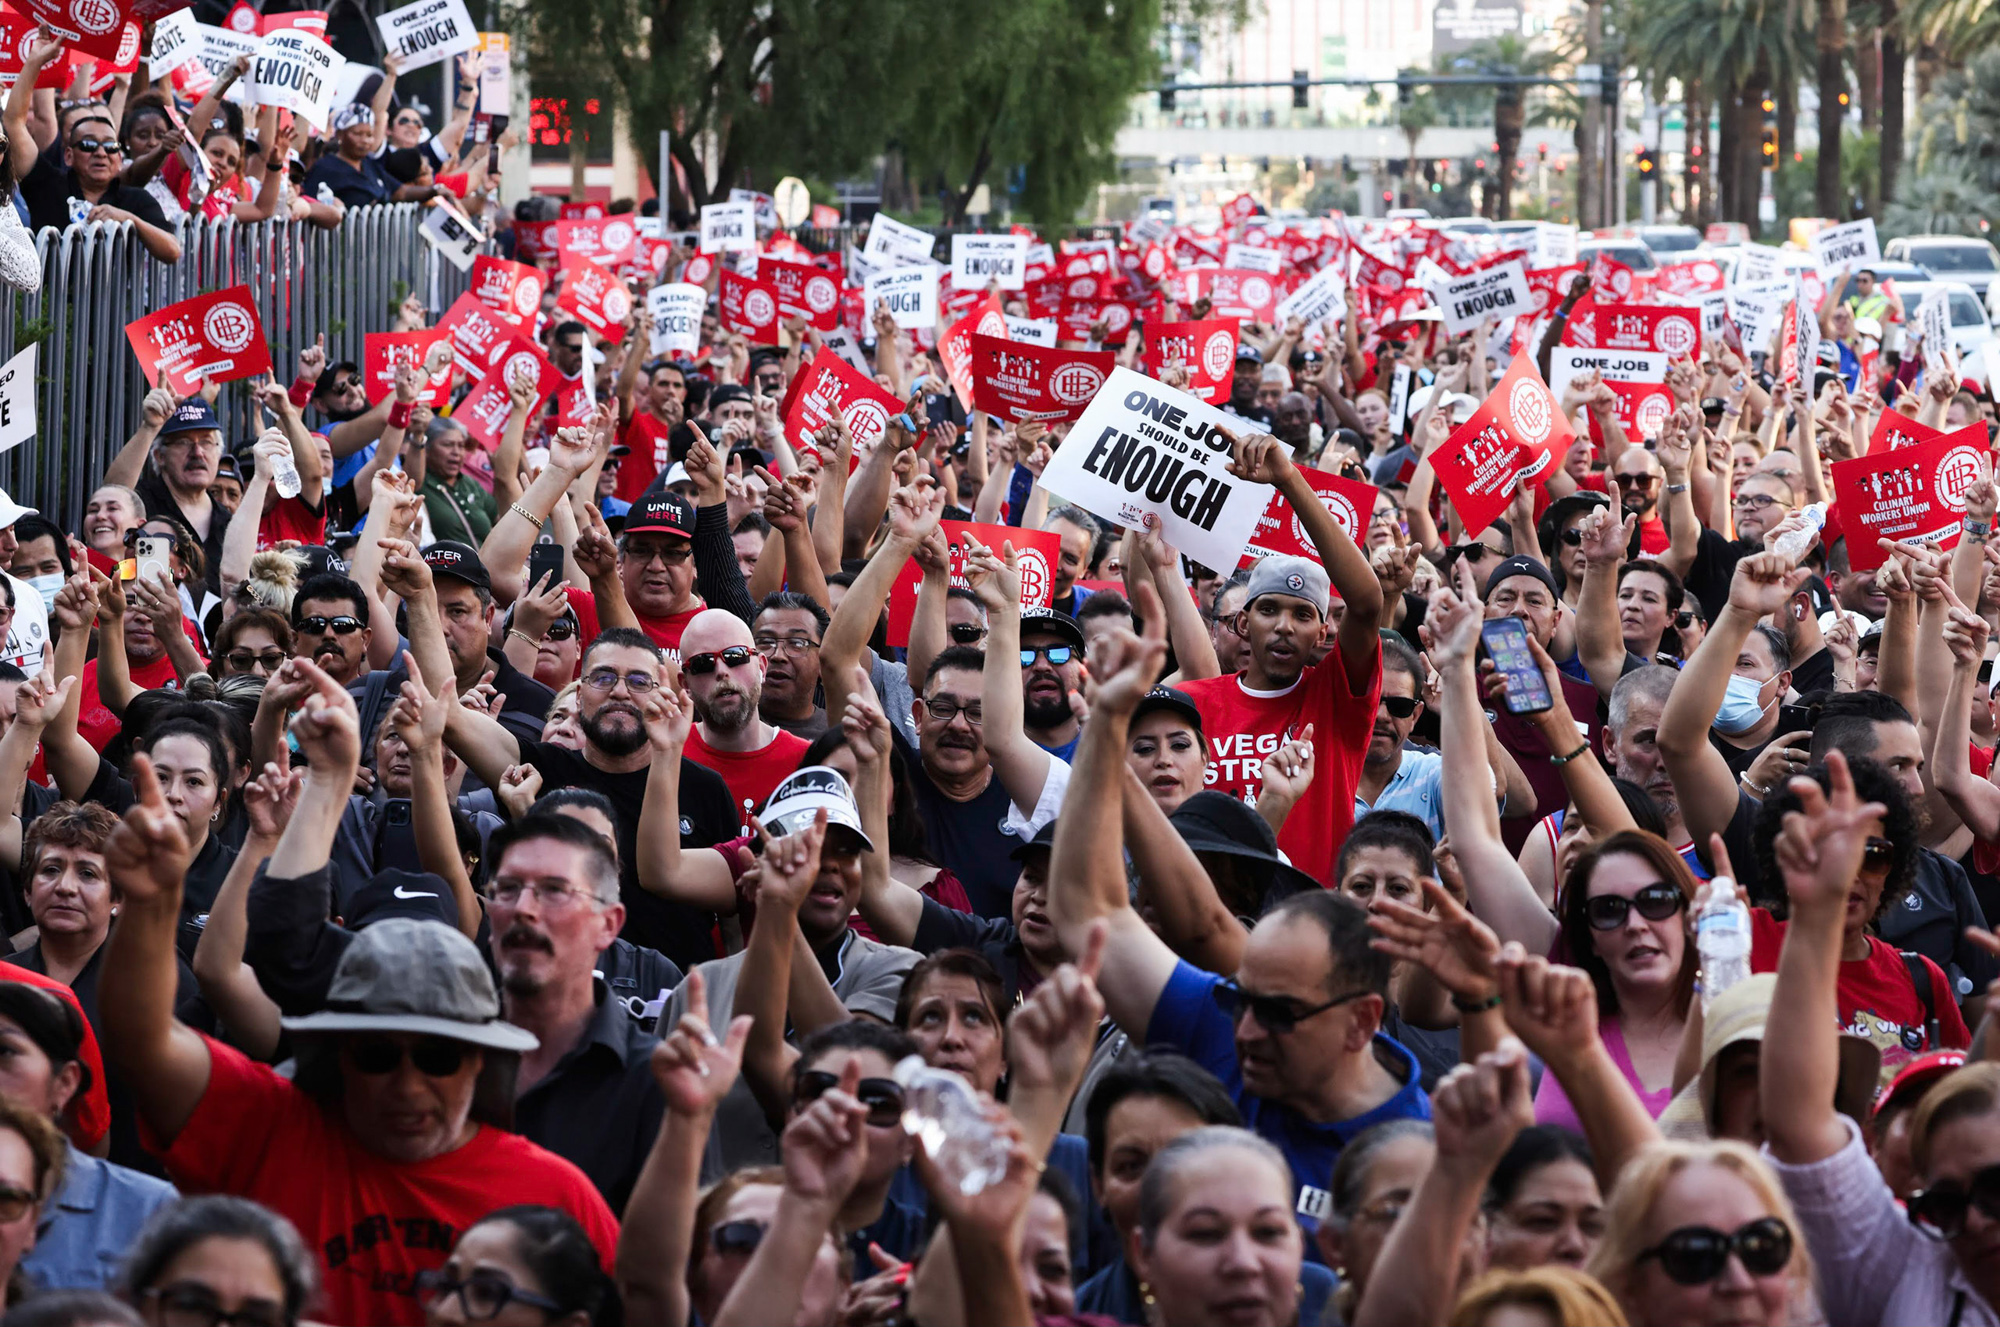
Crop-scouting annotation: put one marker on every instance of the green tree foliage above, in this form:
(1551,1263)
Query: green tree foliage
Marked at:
(1957,155)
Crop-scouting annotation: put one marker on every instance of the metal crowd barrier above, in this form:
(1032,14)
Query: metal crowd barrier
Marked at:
(344,283)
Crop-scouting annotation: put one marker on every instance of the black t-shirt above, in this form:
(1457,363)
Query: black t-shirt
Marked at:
(1813,673)
(49,187)
(1715,560)
(967,837)
(708,817)
(1738,758)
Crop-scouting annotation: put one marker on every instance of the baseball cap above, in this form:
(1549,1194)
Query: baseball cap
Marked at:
(11,511)
(803,793)
(1520,565)
(394,893)
(227,465)
(1049,619)
(330,375)
(188,416)
(661,513)
(318,558)
(1244,351)
(1045,839)
(1168,698)
(1301,578)
(726,393)
(1548,529)
(1916,1076)
(677,473)
(448,557)
(406,975)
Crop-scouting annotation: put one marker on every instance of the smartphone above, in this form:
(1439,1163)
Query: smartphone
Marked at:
(1506,641)
(546,559)
(1793,719)
(396,843)
(152,550)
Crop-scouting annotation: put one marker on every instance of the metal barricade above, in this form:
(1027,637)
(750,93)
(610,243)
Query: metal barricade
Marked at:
(343,283)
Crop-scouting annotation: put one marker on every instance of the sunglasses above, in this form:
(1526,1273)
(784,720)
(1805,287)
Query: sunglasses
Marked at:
(1696,1255)
(561,629)
(1472,552)
(1877,855)
(1400,707)
(1635,481)
(1685,619)
(737,1238)
(435,1057)
(243,660)
(1274,1013)
(882,1096)
(1656,903)
(319,626)
(193,1305)
(14,1203)
(1940,1210)
(1573,536)
(701,665)
(108,147)
(1057,655)
(966,633)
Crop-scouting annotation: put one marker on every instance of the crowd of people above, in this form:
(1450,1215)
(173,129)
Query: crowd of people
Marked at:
(534,881)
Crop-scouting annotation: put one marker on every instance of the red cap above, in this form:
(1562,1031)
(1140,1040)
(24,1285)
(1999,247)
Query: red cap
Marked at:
(1916,1076)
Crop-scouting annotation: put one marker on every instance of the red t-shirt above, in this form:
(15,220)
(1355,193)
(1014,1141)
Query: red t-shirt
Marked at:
(374,1223)
(750,774)
(1653,538)
(1878,1002)
(1243,729)
(290,518)
(665,631)
(647,437)
(94,719)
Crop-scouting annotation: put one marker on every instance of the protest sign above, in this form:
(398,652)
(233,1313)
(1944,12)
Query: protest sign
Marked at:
(1714,311)
(383,353)
(596,297)
(955,346)
(210,336)
(1491,292)
(674,314)
(1035,331)
(728,227)
(1548,285)
(78,21)
(515,287)
(1318,299)
(1517,433)
(804,291)
(176,42)
(1915,493)
(451,233)
(749,308)
(1078,318)
(891,243)
(1552,245)
(1896,429)
(485,409)
(842,343)
(427,32)
(1695,278)
(1934,327)
(296,71)
(1018,381)
(1399,397)
(909,293)
(609,240)
(1846,248)
(1568,363)
(535,240)
(1757,312)
(1247,295)
(763,207)
(1756,264)
(219,49)
(978,259)
(1143,449)
(17,399)
(1350,502)
(1207,348)
(1037,552)
(479,332)
(1669,329)
(496,76)
(1249,258)
(1805,343)
(830,388)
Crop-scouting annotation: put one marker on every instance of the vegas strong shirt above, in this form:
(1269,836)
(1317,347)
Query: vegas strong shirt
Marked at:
(1246,727)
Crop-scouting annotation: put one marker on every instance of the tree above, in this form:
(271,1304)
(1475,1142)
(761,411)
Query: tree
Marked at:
(1416,111)
(1505,57)
(1830,42)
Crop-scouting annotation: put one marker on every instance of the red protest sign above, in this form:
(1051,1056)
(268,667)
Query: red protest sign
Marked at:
(1915,493)
(1517,433)
(1019,381)
(1671,328)
(383,353)
(1896,429)
(89,25)
(986,318)
(17,34)
(1643,408)
(1207,348)
(1612,277)
(1548,285)
(804,291)
(749,308)
(575,406)
(1039,553)
(210,336)
(830,387)
(535,240)
(597,298)
(609,239)
(1239,210)
(1695,278)
(1078,316)
(479,332)
(514,288)
(1350,502)
(1249,295)
(581,211)
(484,410)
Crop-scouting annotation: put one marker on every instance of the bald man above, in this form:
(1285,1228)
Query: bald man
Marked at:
(725,676)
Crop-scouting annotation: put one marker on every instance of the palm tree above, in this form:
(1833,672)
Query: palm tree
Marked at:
(1414,114)
(1830,42)
(1505,57)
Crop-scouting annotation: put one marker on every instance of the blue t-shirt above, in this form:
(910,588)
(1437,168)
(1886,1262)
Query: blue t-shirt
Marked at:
(354,186)
(1188,1019)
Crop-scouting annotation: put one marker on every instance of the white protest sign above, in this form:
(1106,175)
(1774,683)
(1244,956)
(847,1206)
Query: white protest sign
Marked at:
(978,259)
(1759,311)
(792,201)
(1757,264)
(1934,325)
(1142,448)
(219,49)
(1429,275)
(448,231)
(729,227)
(1714,308)
(765,207)
(427,32)
(892,243)
(296,71)
(1552,245)
(673,312)
(909,292)
(176,42)
(1252,258)
(1846,247)
(496,76)
(1568,363)
(1035,331)
(1491,292)
(1317,300)
(841,342)
(1399,398)
(1806,322)
(17,400)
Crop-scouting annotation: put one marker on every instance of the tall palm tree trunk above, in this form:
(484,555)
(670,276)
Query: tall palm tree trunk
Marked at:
(1749,145)
(1509,118)
(1589,126)
(1893,60)
(1725,174)
(1830,39)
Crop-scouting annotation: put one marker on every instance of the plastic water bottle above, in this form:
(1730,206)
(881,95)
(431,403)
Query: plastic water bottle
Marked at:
(1792,544)
(285,475)
(1722,938)
(942,1111)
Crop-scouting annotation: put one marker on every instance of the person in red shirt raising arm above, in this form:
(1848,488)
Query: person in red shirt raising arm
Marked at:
(1280,694)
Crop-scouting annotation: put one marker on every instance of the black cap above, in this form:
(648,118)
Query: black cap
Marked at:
(1045,838)
(1713,405)
(393,893)
(661,513)
(1216,822)
(1168,698)
(1244,350)
(319,558)
(226,464)
(448,557)
(1049,619)
(329,375)
(729,391)
(1520,565)
(1549,528)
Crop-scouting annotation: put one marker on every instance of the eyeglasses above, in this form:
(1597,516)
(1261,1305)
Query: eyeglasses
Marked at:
(1400,707)
(435,1057)
(882,1096)
(795,645)
(343,384)
(508,892)
(243,661)
(1573,536)
(198,440)
(1696,1255)
(966,633)
(736,1239)
(1656,903)
(672,557)
(603,679)
(319,626)
(1754,501)
(1274,1013)
(1877,855)
(701,665)
(109,147)
(944,709)
(483,1295)
(191,1304)
(1940,1210)
(14,1203)
(1057,655)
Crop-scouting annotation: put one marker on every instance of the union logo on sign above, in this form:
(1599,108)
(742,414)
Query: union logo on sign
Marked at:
(128,44)
(1117,318)
(1073,384)
(617,305)
(527,295)
(519,367)
(1156,264)
(992,324)
(1256,291)
(243,20)
(616,236)
(1528,406)
(1676,336)
(1084,287)
(94,16)
(1035,580)
(229,327)
(1653,412)
(1955,474)
(821,294)
(1218,354)
(1338,507)
(759,308)
(866,421)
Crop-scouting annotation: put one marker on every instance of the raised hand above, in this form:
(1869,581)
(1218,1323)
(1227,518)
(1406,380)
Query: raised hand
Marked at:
(866,726)
(546,600)
(693,1069)
(270,798)
(404,574)
(1550,1007)
(1965,635)
(993,1215)
(1820,845)
(156,598)
(571,450)
(419,716)
(1453,623)
(1980,496)
(1260,460)
(1605,538)
(595,552)
(39,700)
(825,1149)
(668,713)
(1124,666)
(1051,1036)
(1288,771)
(1764,583)
(1453,945)
(75,608)
(995,579)
(915,510)
(519,786)
(312,359)
(159,406)
(1479,1108)
(327,728)
(147,855)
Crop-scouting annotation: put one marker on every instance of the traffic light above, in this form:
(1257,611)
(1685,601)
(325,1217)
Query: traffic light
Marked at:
(1648,164)
(1770,145)
(1405,91)
(1166,99)
(1610,89)
(1299,89)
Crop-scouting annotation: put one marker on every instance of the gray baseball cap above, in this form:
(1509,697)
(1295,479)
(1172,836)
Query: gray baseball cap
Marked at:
(1301,578)
(405,975)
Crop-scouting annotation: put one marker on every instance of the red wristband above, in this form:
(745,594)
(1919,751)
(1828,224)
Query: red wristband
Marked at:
(301,392)
(399,415)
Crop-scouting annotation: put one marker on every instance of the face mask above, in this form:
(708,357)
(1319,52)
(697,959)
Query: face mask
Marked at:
(1742,707)
(48,585)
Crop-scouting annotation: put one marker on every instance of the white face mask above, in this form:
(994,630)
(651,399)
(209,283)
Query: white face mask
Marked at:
(49,586)
(1742,706)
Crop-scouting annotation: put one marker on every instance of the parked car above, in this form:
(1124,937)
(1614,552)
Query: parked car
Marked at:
(1629,252)
(1970,326)
(1666,240)
(1949,258)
